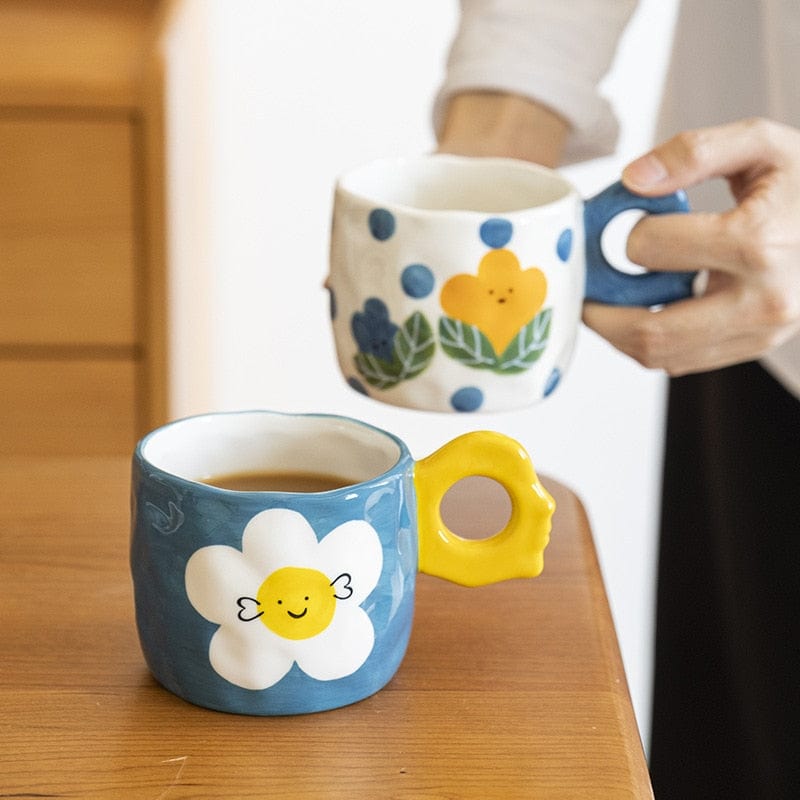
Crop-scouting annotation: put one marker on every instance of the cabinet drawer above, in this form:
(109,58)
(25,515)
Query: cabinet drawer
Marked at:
(67,228)
(63,407)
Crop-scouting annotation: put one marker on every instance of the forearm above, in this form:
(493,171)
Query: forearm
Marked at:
(521,81)
(500,124)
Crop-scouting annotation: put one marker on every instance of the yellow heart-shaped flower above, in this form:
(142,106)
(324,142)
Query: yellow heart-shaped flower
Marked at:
(499,301)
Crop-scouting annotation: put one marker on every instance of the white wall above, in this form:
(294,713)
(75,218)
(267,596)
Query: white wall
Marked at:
(269,102)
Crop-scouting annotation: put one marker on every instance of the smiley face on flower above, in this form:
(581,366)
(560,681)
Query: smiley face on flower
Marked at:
(287,598)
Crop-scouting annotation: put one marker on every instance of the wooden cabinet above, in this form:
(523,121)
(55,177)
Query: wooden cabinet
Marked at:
(82,333)
(68,233)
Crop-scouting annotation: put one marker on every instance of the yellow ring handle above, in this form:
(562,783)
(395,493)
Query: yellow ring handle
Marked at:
(517,551)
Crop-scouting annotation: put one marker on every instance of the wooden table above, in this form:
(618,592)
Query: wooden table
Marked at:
(508,691)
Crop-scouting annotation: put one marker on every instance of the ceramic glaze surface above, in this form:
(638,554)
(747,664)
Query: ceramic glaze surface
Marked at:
(457,284)
(200,556)
(286,602)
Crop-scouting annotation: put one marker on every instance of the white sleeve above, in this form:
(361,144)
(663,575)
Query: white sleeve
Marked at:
(552,51)
(784,364)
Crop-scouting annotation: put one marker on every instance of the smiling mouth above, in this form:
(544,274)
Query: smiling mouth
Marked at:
(298,616)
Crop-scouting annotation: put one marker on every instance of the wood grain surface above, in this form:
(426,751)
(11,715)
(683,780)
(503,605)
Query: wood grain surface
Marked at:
(509,691)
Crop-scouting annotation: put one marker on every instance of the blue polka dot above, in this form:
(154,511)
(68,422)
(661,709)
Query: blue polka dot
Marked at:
(381,223)
(355,383)
(564,245)
(417,280)
(496,232)
(552,381)
(468,398)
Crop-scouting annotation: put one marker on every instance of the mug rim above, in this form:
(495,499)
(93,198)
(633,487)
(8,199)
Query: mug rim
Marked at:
(566,191)
(154,467)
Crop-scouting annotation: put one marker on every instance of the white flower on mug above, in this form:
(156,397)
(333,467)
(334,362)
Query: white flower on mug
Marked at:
(286,598)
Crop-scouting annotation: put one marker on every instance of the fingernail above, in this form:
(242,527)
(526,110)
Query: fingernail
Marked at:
(645,172)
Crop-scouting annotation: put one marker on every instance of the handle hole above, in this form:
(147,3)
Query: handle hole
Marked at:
(614,241)
(476,507)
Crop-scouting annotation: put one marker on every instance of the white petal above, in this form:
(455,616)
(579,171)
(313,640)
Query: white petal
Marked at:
(278,537)
(353,548)
(340,649)
(248,655)
(216,576)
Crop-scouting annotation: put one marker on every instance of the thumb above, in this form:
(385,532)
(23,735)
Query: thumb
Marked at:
(647,174)
(693,156)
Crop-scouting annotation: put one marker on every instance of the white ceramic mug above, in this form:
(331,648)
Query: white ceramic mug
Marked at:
(457,283)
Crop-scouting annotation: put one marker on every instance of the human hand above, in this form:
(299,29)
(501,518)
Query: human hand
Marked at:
(751,252)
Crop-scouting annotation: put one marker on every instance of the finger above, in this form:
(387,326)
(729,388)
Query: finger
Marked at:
(689,336)
(694,156)
(685,242)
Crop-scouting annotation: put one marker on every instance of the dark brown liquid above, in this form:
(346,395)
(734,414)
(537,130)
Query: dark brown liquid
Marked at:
(278,482)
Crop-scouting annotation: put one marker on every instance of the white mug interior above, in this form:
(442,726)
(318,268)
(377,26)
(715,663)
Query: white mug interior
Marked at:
(205,446)
(453,183)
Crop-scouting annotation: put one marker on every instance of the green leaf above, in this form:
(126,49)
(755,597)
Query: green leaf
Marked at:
(466,344)
(376,371)
(412,352)
(527,346)
(414,345)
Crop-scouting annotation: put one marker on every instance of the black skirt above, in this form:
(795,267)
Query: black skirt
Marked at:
(726,700)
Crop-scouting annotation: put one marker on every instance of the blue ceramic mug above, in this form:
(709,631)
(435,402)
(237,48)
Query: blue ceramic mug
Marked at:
(265,601)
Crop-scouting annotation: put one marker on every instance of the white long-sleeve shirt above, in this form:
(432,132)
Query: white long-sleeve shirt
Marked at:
(731,59)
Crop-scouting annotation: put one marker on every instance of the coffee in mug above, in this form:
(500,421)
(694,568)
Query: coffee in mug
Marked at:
(277,482)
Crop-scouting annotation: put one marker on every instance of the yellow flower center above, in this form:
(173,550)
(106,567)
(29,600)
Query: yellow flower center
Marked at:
(297,602)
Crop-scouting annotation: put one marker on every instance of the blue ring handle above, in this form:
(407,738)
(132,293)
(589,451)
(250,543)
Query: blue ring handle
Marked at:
(604,283)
